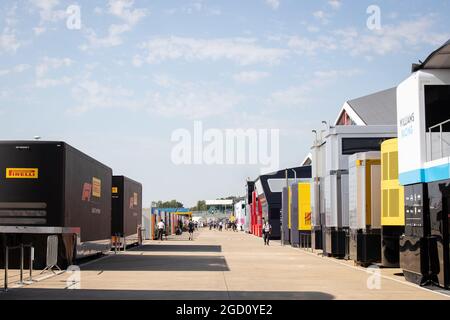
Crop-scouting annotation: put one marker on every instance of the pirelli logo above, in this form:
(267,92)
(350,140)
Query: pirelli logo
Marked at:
(22,173)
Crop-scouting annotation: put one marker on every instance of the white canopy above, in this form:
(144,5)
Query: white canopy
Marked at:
(219,202)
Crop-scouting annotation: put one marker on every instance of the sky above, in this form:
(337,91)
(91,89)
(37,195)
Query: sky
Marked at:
(117,80)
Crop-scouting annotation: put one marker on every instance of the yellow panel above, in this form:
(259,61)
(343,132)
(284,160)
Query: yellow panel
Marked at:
(385,166)
(393,165)
(385,203)
(304,207)
(393,208)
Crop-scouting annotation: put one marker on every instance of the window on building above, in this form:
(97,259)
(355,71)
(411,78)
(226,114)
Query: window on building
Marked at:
(437,121)
(437,106)
(354,145)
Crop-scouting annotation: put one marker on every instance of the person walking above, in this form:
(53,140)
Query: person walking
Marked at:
(267,231)
(191,227)
(161,227)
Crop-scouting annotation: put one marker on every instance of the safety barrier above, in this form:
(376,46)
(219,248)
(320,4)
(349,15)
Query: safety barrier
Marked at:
(305,241)
(22,253)
(52,254)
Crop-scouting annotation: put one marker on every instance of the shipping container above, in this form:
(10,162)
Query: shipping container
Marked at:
(300,214)
(304,215)
(339,143)
(365,207)
(51,188)
(126,211)
(268,189)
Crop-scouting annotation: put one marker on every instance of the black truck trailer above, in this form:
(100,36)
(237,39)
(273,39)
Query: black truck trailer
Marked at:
(269,188)
(126,210)
(51,188)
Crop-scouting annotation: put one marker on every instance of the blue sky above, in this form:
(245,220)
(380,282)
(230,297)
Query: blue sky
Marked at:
(138,70)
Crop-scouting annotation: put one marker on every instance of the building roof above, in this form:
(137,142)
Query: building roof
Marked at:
(439,59)
(307,161)
(379,108)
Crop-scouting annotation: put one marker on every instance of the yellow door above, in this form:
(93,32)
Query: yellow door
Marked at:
(304,206)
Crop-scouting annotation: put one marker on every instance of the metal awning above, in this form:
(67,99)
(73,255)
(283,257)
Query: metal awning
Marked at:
(439,59)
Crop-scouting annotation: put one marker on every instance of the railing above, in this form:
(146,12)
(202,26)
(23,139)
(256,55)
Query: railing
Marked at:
(441,141)
(305,242)
(22,253)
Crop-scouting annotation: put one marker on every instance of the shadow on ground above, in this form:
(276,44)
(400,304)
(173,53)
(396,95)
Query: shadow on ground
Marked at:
(83,294)
(179,248)
(128,262)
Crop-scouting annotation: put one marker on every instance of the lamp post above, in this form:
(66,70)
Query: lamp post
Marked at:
(282,214)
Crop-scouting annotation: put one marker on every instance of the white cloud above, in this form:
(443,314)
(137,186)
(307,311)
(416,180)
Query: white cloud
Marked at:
(322,16)
(192,101)
(171,99)
(405,35)
(324,77)
(48,13)
(313,29)
(242,51)
(335,4)
(293,96)
(300,96)
(179,99)
(113,39)
(46,66)
(8,40)
(274,4)
(16,69)
(90,94)
(391,38)
(308,46)
(198,6)
(165,81)
(49,83)
(51,63)
(122,9)
(250,77)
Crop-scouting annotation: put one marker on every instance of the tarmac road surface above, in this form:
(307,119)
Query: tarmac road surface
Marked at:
(221,265)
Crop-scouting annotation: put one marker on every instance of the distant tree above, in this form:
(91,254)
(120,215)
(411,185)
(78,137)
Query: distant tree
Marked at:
(201,206)
(169,204)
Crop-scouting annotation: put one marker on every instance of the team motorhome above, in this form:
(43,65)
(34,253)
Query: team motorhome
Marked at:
(423,101)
